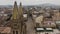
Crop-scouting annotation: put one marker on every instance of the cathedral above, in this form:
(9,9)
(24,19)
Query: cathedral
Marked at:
(16,23)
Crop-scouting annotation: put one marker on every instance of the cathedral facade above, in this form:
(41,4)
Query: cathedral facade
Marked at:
(16,24)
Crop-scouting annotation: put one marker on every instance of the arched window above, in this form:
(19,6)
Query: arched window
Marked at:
(37,24)
(16,32)
(13,32)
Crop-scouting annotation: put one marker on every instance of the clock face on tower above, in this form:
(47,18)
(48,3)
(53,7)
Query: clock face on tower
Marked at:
(15,26)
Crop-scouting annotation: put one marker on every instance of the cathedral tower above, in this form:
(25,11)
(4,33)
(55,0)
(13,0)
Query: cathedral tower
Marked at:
(16,25)
(15,11)
(23,25)
(20,12)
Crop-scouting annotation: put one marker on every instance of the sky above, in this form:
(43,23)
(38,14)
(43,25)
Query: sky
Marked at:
(29,2)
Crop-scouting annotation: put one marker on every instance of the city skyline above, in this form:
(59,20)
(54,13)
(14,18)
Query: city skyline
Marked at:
(29,2)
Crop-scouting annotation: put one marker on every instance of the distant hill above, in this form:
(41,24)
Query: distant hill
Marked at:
(40,5)
(7,6)
(48,5)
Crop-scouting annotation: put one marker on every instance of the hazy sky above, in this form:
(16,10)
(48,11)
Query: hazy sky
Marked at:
(29,2)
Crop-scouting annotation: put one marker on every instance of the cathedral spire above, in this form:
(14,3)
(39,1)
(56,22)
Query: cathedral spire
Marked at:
(20,11)
(15,11)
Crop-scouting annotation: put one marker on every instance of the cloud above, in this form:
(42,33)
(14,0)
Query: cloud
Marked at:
(29,2)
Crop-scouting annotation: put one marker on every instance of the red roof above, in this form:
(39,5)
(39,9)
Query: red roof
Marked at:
(5,29)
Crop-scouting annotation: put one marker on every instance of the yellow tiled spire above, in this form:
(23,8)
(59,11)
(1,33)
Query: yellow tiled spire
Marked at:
(15,11)
(20,11)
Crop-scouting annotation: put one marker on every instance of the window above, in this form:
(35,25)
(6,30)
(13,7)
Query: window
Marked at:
(15,24)
(37,24)
(13,32)
(16,32)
